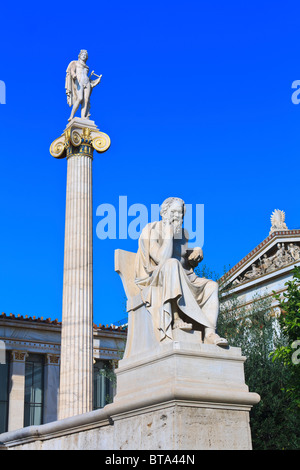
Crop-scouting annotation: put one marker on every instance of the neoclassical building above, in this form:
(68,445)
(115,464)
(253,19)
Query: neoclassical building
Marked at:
(29,372)
(266,268)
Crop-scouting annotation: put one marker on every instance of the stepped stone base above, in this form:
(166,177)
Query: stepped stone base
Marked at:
(178,397)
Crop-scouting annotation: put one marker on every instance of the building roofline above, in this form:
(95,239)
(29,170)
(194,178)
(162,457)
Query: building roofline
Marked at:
(48,321)
(246,258)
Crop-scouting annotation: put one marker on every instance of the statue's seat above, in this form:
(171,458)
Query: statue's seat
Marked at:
(142,335)
(124,266)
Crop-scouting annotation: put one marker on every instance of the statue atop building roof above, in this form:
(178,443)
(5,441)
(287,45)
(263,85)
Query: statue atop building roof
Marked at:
(277,221)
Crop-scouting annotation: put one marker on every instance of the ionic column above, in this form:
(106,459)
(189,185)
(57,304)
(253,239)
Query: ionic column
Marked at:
(51,386)
(76,368)
(17,390)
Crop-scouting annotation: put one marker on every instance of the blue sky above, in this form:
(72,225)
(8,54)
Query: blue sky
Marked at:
(196,97)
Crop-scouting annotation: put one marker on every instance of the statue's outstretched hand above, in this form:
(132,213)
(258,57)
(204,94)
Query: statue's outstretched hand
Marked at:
(96,82)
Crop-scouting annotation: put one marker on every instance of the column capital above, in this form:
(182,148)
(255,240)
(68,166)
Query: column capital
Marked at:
(115,363)
(52,359)
(80,137)
(18,356)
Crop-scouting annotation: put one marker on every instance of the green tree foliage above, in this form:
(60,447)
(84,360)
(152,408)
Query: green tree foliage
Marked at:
(288,353)
(255,331)
(274,424)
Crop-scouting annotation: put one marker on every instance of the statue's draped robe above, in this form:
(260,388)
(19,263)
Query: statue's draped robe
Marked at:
(169,281)
(70,84)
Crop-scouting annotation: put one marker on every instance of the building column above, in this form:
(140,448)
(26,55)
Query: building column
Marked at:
(17,390)
(115,365)
(51,387)
(77,143)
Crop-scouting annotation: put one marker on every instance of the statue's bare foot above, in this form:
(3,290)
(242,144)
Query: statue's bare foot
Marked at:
(183,326)
(214,338)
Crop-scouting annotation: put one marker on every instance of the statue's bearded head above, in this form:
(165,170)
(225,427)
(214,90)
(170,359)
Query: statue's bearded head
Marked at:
(172,211)
(83,55)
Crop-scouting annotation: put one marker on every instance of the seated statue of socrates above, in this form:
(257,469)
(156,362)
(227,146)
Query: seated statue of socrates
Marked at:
(164,260)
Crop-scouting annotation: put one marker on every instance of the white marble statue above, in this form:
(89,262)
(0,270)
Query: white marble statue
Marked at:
(266,264)
(294,251)
(279,258)
(255,272)
(277,221)
(164,260)
(79,85)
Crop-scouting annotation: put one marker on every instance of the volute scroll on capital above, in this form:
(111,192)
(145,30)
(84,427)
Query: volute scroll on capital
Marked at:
(84,139)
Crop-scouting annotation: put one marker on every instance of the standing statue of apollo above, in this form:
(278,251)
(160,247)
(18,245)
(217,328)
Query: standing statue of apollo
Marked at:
(79,85)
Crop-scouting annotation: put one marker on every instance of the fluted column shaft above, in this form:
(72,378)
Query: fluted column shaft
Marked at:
(76,372)
(77,143)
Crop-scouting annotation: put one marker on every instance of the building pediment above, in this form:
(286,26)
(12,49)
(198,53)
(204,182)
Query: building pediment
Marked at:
(275,255)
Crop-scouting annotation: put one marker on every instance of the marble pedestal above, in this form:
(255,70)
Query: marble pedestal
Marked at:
(183,396)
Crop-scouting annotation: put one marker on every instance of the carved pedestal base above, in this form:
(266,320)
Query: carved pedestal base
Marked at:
(183,396)
(178,397)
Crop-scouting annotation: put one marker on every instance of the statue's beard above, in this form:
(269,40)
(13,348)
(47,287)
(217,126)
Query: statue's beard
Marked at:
(176,223)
